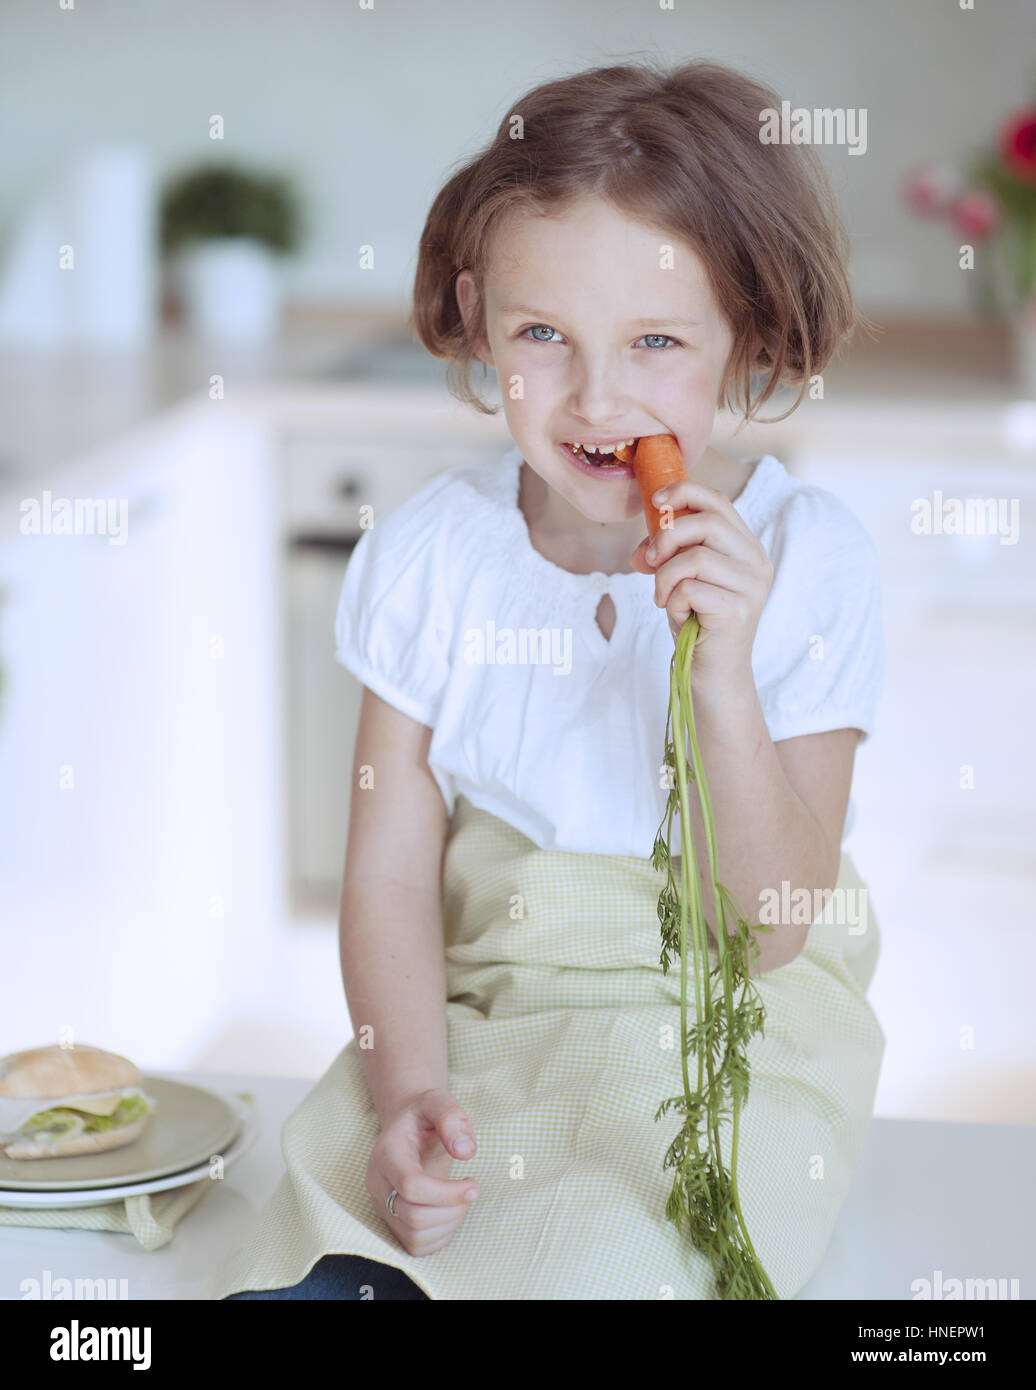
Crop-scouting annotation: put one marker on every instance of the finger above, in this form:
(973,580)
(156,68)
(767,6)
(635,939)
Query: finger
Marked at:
(419,1188)
(709,600)
(701,563)
(422,1243)
(451,1124)
(688,492)
(697,528)
(428,1221)
(638,559)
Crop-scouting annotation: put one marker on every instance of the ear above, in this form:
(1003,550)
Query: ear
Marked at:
(468,303)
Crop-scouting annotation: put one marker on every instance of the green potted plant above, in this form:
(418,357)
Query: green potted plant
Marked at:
(223,229)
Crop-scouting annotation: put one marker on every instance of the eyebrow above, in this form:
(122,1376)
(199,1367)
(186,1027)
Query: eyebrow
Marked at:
(635,323)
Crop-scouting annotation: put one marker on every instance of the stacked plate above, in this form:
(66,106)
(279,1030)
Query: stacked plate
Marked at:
(191,1131)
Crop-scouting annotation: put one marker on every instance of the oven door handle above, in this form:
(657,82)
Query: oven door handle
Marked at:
(324,542)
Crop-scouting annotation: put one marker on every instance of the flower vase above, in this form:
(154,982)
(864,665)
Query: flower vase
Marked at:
(1023,332)
(230,290)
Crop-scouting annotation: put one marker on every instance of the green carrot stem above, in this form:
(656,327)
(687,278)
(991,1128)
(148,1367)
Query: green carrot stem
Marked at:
(690,882)
(689,637)
(687,861)
(703,1189)
(691,885)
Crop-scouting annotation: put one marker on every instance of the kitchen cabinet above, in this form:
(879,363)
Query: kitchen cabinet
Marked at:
(326,478)
(141,833)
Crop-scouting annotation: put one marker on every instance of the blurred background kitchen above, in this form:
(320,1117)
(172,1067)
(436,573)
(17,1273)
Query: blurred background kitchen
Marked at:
(209,217)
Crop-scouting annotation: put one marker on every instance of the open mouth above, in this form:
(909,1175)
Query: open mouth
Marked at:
(619,453)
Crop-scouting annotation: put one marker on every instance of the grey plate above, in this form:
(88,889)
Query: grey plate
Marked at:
(189,1127)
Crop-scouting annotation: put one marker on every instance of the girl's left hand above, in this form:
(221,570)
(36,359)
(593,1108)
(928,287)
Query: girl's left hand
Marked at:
(708,562)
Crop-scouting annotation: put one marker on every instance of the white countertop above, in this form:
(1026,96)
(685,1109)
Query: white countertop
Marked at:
(927,1197)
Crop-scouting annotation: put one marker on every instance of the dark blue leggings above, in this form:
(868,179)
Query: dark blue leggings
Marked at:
(344,1276)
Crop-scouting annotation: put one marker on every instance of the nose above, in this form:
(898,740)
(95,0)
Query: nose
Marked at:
(598,391)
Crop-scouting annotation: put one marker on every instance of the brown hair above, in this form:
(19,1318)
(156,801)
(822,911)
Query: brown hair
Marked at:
(676,148)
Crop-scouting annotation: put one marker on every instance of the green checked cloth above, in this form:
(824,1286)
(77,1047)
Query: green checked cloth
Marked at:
(564,1037)
(151,1217)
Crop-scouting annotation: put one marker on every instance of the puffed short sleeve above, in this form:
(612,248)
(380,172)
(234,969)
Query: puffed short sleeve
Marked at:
(393,623)
(823,655)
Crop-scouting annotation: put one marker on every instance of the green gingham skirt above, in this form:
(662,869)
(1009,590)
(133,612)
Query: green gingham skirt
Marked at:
(563,1040)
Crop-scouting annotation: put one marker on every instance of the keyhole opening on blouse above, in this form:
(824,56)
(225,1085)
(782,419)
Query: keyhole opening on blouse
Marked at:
(606,616)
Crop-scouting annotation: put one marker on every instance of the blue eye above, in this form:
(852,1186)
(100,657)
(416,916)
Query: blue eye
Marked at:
(663,336)
(542,327)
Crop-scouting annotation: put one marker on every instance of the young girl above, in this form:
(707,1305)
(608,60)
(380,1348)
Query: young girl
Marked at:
(624,254)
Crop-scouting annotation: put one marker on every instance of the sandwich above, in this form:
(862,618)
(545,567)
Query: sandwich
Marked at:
(59,1102)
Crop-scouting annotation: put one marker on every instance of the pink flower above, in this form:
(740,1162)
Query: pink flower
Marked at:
(1018,144)
(975,214)
(930,189)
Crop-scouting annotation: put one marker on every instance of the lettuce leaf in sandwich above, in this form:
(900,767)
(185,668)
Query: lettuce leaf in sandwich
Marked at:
(61,1119)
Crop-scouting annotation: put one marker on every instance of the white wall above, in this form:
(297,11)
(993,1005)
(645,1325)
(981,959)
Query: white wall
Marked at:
(372,106)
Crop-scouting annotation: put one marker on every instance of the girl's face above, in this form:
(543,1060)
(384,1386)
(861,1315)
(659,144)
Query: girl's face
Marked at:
(600,329)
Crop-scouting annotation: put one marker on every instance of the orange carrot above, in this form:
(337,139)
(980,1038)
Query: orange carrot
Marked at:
(656,463)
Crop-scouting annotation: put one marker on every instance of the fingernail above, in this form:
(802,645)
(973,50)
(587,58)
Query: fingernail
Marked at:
(464,1145)
(651,552)
(660,495)
(471,1194)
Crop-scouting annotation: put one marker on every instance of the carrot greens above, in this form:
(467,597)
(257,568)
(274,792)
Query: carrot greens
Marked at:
(704,1192)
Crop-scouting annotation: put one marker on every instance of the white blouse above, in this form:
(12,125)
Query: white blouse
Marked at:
(449,614)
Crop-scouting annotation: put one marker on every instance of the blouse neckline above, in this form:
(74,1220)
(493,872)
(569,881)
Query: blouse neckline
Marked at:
(537,566)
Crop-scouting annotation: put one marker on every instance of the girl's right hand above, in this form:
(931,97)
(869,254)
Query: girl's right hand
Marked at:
(413,1153)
